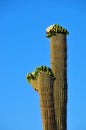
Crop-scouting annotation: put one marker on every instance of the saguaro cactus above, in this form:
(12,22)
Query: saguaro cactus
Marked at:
(43,80)
(57,35)
(52,84)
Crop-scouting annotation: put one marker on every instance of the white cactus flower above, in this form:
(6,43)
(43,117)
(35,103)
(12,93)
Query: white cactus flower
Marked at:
(33,73)
(49,28)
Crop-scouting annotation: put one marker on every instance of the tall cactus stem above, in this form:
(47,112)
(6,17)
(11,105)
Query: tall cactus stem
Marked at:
(58,48)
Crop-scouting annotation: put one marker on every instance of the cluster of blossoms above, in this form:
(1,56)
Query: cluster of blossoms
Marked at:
(55,28)
(34,74)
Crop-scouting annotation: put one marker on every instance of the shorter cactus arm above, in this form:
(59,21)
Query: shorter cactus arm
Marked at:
(45,83)
(42,80)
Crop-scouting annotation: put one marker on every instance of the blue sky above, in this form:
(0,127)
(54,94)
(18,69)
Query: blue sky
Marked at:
(23,46)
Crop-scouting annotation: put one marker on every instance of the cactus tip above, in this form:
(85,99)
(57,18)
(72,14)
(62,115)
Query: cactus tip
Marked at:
(55,28)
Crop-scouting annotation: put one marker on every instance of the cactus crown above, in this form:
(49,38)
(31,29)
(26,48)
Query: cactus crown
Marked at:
(55,28)
(34,74)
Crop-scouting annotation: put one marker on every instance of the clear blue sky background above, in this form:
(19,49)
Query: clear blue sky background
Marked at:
(23,46)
